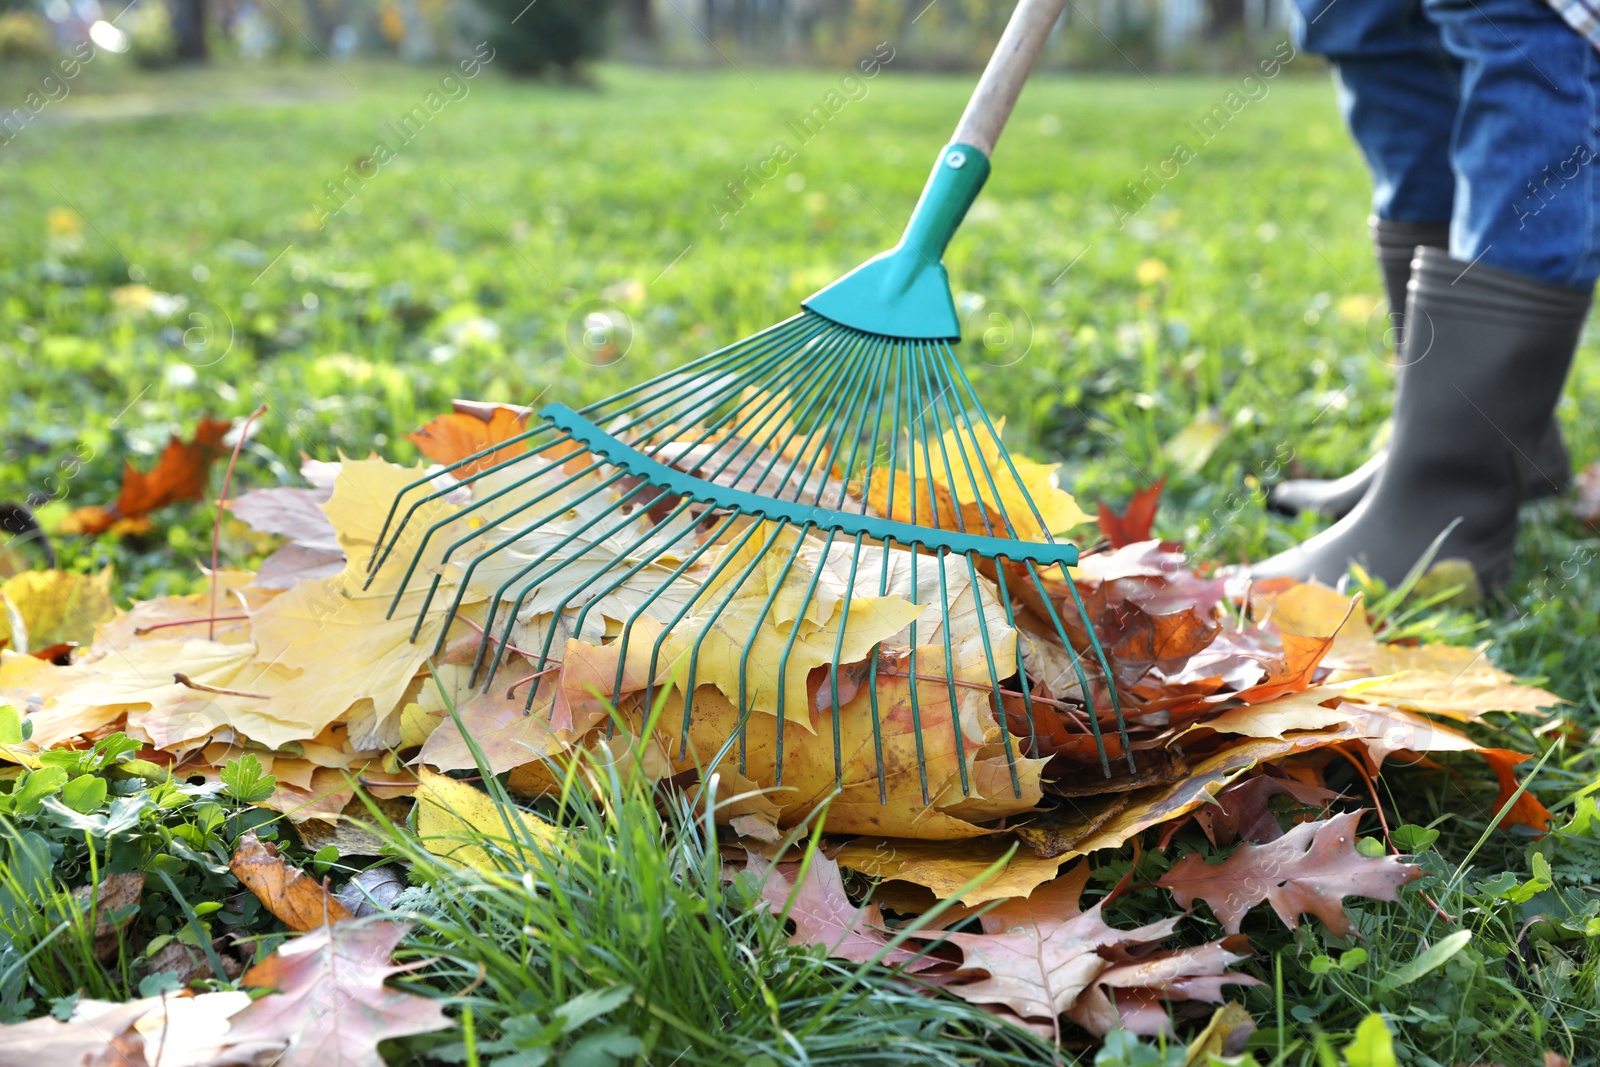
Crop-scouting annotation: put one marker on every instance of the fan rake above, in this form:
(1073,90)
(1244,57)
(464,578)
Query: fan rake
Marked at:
(838,456)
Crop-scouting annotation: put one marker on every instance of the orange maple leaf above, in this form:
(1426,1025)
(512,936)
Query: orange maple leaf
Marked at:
(451,438)
(180,474)
(1133,525)
(1527,811)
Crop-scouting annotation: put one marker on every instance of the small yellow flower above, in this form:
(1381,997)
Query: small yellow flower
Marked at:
(1151,272)
(1357,307)
(63,222)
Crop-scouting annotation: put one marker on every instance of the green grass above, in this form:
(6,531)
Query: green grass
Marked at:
(629,944)
(478,247)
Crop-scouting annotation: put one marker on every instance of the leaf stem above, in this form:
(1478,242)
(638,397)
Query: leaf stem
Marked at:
(222,503)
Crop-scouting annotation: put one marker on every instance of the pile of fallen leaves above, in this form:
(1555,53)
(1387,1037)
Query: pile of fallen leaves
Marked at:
(1238,699)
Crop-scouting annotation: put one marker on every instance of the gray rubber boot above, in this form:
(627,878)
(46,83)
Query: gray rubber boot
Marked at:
(1485,356)
(1547,470)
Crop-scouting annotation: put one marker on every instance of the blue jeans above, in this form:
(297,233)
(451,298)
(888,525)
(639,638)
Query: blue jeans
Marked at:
(1485,113)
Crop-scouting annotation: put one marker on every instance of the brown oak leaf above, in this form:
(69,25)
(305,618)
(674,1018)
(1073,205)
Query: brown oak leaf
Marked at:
(330,1004)
(1129,994)
(823,915)
(1041,952)
(1307,871)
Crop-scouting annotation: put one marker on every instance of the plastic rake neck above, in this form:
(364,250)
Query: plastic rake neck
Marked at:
(846,441)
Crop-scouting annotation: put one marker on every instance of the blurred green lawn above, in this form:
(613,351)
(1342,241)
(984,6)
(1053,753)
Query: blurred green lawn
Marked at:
(1231,321)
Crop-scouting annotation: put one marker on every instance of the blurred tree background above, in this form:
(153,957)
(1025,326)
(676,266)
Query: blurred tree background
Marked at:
(558,38)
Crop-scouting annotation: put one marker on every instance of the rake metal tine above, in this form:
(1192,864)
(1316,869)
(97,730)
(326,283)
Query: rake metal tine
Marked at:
(476,505)
(503,545)
(583,613)
(768,374)
(950,667)
(994,677)
(666,521)
(914,396)
(849,386)
(440,524)
(838,651)
(966,464)
(916,706)
(1022,669)
(1105,667)
(872,674)
(843,357)
(639,612)
(857,389)
(495,599)
(884,359)
(575,591)
(751,352)
(1094,641)
(794,632)
(983,622)
(820,362)
(894,434)
(863,397)
(779,333)
(1077,667)
(947,362)
(499,547)
(777,378)
(430,478)
(939,561)
(733,590)
(944,454)
(744,659)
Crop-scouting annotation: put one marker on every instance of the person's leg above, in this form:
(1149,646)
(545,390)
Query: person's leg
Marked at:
(1398,90)
(1493,325)
(1524,148)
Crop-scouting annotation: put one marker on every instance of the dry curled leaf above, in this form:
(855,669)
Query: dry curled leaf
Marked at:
(288,892)
(1527,811)
(180,474)
(113,900)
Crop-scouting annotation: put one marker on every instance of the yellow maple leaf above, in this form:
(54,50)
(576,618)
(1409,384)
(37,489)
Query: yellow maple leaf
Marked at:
(773,650)
(362,496)
(40,609)
(946,866)
(454,819)
(921,742)
(1449,680)
(952,491)
(68,702)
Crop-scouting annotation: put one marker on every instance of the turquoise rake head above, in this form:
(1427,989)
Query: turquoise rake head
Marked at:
(637,521)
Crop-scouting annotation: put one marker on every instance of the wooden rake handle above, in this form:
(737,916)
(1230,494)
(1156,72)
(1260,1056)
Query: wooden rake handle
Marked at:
(1006,73)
